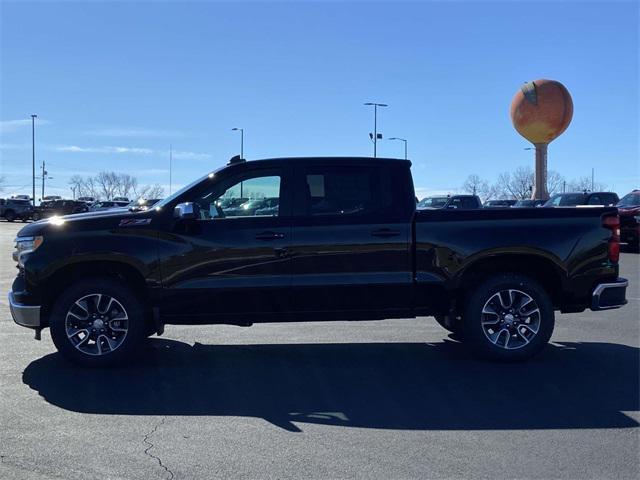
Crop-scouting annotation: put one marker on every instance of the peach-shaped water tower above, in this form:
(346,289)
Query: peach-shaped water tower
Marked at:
(540,111)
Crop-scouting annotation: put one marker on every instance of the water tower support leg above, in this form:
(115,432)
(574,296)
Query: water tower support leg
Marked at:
(540,191)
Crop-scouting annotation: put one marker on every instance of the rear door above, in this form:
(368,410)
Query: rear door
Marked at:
(351,237)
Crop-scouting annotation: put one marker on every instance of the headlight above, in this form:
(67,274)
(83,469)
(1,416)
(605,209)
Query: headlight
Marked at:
(25,245)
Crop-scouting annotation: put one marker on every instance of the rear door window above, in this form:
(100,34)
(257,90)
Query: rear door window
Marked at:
(336,191)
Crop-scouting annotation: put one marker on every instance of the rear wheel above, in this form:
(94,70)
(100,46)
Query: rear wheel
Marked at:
(36,216)
(508,317)
(97,323)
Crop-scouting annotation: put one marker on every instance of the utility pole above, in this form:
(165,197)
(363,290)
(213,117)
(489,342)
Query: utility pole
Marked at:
(375,125)
(44,175)
(33,157)
(170,166)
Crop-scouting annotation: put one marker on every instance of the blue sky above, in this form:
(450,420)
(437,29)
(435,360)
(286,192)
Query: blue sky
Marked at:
(114,83)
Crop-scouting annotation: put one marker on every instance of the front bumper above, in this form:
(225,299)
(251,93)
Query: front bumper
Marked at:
(610,295)
(24,315)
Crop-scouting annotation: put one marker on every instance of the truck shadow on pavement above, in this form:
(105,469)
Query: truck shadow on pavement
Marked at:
(414,386)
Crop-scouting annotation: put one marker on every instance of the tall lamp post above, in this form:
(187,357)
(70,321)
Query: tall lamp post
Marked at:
(241,130)
(375,137)
(405,144)
(33,158)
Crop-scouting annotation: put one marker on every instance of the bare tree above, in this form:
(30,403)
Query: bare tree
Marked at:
(475,185)
(555,182)
(126,185)
(584,183)
(151,191)
(517,185)
(108,184)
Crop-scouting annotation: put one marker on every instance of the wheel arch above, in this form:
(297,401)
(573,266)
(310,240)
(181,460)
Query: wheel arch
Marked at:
(65,276)
(537,267)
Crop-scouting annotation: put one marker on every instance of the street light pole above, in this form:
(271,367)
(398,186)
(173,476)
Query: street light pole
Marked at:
(241,130)
(375,125)
(33,158)
(405,144)
(170,166)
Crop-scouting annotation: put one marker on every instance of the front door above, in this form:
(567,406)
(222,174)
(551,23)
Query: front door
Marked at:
(233,261)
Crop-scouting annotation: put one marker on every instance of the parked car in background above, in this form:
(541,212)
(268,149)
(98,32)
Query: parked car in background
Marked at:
(50,198)
(14,208)
(21,197)
(107,205)
(506,203)
(528,203)
(121,199)
(461,202)
(629,211)
(606,199)
(89,200)
(251,207)
(58,208)
(143,203)
(225,203)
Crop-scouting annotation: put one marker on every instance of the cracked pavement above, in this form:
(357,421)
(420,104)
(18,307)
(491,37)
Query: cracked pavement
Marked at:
(151,445)
(388,399)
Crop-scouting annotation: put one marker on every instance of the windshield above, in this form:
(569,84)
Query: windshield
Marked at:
(170,198)
(433,202)
(630,200)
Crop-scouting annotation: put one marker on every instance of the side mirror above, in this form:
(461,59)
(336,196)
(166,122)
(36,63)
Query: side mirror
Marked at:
(187,211)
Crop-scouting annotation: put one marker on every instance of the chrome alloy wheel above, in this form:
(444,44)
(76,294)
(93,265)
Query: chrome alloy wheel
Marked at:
(510,319)
(96,324)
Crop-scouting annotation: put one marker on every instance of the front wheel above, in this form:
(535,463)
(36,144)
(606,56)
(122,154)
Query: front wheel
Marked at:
(508,317)
(10,216)
(97,323)
(36,216)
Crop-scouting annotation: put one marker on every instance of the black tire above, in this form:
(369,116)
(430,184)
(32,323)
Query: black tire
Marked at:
(453,326)
(131,340)
(36,216)
(9,215)
(510,343)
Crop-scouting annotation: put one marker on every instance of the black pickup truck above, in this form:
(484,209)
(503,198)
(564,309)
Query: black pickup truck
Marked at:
(344,241)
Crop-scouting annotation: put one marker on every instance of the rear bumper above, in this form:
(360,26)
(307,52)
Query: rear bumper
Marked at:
(610,295)
(24,315)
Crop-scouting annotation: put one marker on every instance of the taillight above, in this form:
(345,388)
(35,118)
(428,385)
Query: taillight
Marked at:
(612,222)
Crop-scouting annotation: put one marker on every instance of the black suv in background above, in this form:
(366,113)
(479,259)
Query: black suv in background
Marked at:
(605,199)
(506,203)
(14,208)
(528,203)
(59,208)
(462,202)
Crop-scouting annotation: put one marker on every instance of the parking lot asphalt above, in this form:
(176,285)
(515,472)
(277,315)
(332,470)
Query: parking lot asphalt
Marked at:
(381,399)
